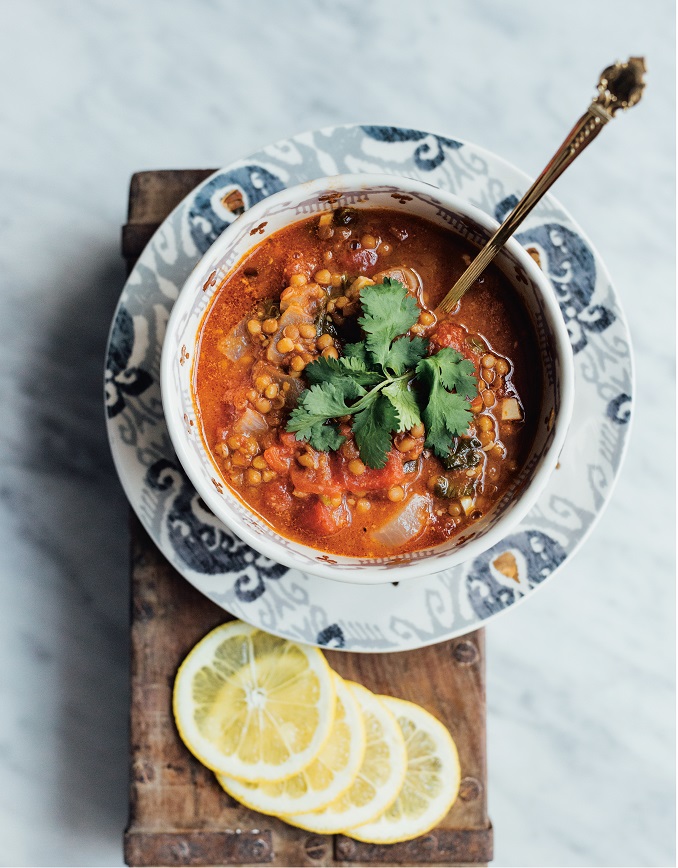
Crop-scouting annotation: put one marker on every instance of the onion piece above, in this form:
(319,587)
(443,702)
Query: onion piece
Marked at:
(467,504)
(408,524)
(235,343)
(407,276)
(250,424)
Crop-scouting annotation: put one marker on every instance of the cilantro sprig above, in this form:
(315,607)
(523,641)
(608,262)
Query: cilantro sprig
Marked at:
(386,383)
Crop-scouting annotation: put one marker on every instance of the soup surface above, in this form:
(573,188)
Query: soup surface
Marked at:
(297,298)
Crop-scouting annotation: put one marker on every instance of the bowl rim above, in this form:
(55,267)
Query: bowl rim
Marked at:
(380,573)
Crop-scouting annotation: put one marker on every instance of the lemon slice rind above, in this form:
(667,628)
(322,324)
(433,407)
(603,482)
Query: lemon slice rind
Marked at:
(250,674)
(420,730)
(339,760)
(378,781)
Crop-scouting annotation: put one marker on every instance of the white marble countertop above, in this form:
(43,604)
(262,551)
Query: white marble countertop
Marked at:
(581,698)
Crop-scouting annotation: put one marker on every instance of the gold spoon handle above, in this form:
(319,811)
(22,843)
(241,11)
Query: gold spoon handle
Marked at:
(620,87)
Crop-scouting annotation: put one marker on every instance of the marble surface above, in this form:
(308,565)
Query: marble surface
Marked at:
(581,678)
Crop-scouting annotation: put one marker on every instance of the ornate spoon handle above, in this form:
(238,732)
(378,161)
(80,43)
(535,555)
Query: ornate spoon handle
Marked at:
(620,87)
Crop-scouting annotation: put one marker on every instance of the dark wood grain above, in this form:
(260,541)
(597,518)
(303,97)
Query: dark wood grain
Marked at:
(178,813)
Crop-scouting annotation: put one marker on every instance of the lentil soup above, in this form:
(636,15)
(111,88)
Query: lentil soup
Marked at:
(295,298)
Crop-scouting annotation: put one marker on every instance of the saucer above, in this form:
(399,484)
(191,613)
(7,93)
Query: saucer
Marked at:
(317,610)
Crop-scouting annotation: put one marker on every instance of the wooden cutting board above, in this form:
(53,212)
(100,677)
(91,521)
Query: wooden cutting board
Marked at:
(179,815)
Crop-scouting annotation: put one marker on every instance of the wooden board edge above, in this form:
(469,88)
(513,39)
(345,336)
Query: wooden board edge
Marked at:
(175,185)
(197,848)
(144,847)
(442,846)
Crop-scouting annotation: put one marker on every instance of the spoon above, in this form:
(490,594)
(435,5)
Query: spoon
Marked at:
(620,86)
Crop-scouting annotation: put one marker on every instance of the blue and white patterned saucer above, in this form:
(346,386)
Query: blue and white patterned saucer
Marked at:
(316,610)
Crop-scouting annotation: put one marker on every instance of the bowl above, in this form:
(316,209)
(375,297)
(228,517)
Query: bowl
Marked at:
(361,191)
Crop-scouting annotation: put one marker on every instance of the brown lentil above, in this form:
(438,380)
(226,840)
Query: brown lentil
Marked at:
(307,330)
(406,445)
(396,493)
(356,467)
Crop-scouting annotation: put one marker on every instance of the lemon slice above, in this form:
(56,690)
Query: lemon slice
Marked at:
(379,779)
(322,781)
(431,783)
(253,706)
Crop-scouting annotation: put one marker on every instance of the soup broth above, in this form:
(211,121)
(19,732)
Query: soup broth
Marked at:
(295,298)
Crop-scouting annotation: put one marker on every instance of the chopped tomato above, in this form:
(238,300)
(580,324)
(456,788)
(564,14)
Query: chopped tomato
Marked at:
(374,480)
(325,521)
(289,440)
(358,260)
(320,480)
(448,334)
(278,499)
(278,458)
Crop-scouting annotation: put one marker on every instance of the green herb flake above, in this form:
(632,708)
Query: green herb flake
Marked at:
(389,311)
(404,354)
(372,428)
(446,414)
(405,403)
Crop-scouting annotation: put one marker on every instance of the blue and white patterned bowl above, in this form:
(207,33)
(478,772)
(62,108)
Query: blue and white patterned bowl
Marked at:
(364,191)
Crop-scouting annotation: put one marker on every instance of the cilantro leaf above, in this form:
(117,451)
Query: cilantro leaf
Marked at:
(321,437)
(356,351)
(404,402)
(372,427)
(316,406)
(302,423)
(456,372)
(311,428)
(446,414)
(405,353)
(325,438)
(358,371)
(328,400)
(389,310)
(329,370)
